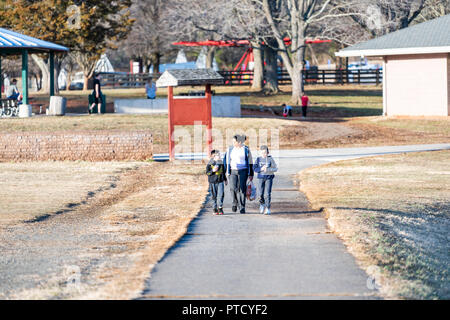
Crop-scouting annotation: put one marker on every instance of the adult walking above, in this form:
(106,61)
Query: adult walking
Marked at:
(239,168)
(97,93)
(6,84)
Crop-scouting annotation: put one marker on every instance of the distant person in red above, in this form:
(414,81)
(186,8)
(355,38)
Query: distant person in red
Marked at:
(305,104)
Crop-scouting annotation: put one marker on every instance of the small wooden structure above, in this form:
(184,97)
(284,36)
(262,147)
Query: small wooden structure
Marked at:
(189,110)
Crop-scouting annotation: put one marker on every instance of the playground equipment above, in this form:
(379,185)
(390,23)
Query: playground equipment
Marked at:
(247,58)
(189,110)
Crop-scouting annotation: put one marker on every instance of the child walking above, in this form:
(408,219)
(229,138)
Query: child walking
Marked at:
(266,167)
(215,171)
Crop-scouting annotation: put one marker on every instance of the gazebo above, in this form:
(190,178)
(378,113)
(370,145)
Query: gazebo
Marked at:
(14,44)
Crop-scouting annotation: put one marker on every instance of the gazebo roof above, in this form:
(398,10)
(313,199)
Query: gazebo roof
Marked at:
(12,43)
(189,77)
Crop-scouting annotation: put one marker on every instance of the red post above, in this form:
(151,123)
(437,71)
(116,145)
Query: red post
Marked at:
(171,124)
(208,97)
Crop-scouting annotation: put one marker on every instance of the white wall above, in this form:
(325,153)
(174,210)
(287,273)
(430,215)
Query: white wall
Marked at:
(222,106)
(417,85)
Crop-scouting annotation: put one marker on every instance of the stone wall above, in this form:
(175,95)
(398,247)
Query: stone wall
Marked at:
(85,145)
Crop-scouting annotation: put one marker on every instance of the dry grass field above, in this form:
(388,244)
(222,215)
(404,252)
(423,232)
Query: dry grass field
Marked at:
(112,220)
(393,212)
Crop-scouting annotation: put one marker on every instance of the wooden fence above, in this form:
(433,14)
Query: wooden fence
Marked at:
(127,80)
(245,78)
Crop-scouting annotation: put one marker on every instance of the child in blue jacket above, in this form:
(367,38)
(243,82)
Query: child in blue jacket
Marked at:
(266,167)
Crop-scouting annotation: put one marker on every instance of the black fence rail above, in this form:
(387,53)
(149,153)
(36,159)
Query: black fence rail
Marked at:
(245,78)
(127,80)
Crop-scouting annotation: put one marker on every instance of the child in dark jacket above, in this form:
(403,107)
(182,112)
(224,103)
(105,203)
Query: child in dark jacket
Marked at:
(266,167)
(215,171)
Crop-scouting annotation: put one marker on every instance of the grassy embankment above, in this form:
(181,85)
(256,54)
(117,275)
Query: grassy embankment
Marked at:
(393,213)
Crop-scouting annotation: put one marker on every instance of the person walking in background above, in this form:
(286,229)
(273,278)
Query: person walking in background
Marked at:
(150,89)
(215,171)
(239,169)
(305,104)
(6,83)
(97,93)
(266,167)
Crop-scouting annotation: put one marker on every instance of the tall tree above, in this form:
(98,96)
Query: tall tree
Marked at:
(46,20)
(150,37)
(98,25)
(296,19)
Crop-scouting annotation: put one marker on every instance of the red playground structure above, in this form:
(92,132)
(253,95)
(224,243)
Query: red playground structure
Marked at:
(248,57)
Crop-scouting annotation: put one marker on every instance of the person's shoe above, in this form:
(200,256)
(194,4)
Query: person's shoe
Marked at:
(234,209)
(242,211)
(261,208)
(216,211)
(267,212)
(221,211)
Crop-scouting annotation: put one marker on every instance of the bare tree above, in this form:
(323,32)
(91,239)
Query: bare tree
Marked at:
(379,17)
(296,19)
(223,20)
(434,9)
(150,37)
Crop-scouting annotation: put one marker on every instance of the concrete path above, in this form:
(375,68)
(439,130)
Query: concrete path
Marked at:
(288,255)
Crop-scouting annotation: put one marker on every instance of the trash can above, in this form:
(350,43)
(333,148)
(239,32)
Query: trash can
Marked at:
(57,106)
(95,109)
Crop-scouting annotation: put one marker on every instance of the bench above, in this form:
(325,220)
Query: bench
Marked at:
(9,108)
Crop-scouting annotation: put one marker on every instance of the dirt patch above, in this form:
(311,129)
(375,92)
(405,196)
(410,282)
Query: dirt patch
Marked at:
(393,214)
(111,241)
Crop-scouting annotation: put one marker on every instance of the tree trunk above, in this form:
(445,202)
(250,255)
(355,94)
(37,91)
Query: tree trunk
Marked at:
(86,83)
(258,69)
(314,59)
(271,74)
(58,64)
(210,57)
(45,88)
(156,60)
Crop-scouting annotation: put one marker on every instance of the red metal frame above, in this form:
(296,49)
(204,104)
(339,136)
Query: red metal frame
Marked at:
(189,111)
(248,55)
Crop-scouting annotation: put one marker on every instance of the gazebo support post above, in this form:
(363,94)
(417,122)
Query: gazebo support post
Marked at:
(25,109)
(1,78)
(25,76)
(171,124)
(208,97)
(52,74)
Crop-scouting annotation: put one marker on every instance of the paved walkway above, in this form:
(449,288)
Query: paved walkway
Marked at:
(288,255)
